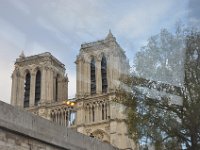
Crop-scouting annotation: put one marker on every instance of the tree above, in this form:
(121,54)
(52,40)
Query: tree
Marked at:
(164,120)
(191,91)
(149,117)
(162,58)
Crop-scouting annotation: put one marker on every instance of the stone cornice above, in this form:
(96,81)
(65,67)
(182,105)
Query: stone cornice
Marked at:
(45,57)
(96,123)
(100,44)
(52,106)
(95,97)
(24,123)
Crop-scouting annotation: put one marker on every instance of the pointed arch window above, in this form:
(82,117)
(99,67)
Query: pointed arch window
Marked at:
(37,87)
(102,112)
(104,74)
(93,114)
(93,76)
(27,90)
(106,111)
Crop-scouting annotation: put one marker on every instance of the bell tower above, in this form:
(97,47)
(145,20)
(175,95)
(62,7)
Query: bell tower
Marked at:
(100,66)
(38,80)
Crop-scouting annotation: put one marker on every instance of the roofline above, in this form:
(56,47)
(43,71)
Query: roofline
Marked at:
(40,55)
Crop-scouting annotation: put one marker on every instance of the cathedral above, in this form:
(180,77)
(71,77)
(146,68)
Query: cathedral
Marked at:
(40,86)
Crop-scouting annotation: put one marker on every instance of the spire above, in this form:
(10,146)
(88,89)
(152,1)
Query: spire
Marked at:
(110,35)
(21,56)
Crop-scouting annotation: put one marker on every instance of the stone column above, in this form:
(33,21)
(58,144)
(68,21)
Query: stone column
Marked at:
(54,86)
(20,100)
(56,117)
(115,75)
(104,111)
(81,79)
(100,112)
(14,89)
(32,90)
(62,85)
(80,114)
(109,72)
(69,117)
(50,85)
(88,78)
(65,118)
(47,85)
(60,88)
(18,91)
(90,114)
(43,85)
(97,112)
(61,117)
(66,88)
(86,115)
(85,78)
(77,78)
(98,77)
(64,94)
(108,110)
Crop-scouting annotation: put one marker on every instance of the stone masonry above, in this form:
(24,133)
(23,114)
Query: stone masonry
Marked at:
(21,130)
(40,86)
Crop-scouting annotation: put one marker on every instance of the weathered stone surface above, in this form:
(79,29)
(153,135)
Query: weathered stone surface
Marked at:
(97,115)
(21,130)
(53,86)
(93,114)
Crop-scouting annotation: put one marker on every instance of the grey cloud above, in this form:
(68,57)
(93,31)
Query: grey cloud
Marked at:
(61,26)
(194,13)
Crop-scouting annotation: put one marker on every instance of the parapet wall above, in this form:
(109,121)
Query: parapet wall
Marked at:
(22,130)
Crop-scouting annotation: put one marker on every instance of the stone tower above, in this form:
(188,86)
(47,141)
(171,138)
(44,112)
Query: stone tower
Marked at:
(37,81)
(40,86)
(100,65)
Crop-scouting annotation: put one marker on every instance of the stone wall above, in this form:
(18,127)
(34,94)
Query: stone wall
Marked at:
(21,130)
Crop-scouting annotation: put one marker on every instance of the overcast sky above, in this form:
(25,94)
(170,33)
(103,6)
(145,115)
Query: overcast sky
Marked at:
(60,26)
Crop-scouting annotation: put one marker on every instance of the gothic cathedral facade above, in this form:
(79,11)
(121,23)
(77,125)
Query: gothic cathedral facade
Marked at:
(39,85)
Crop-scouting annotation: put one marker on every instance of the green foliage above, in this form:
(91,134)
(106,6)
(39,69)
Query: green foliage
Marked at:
(162,58)
(159,119)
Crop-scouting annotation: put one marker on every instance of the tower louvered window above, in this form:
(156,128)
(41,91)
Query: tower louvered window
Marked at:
(27,90)
(37,87)
(104,75)
(93,77)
